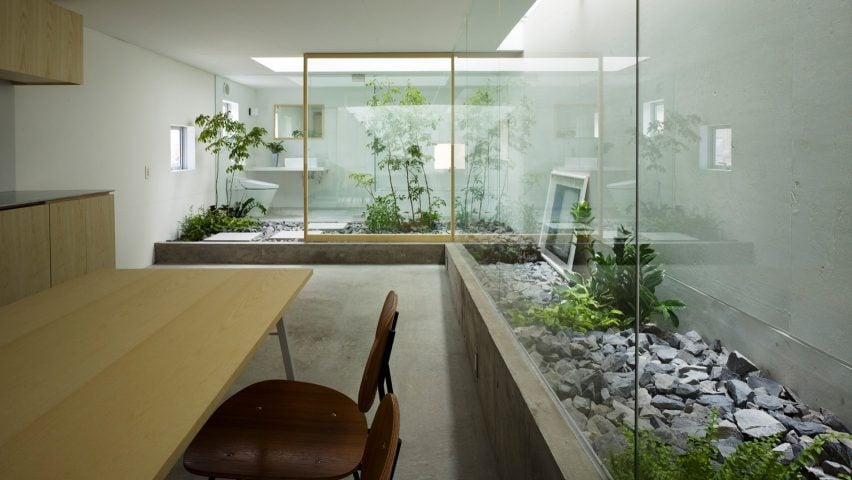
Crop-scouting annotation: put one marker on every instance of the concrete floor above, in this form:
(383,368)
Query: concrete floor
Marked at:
(330,327)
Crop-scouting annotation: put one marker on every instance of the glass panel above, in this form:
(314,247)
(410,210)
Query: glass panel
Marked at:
(757,251)
(545,125)
(383,153)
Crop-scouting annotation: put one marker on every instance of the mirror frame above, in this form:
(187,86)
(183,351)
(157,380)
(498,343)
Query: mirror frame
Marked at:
(316,125)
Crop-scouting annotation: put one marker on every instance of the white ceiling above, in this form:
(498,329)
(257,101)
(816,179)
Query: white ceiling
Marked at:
(220,36)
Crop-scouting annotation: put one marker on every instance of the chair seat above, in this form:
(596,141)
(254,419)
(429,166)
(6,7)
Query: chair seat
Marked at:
(280,429)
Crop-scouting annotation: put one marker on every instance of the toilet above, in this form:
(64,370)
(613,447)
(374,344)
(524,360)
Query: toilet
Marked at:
(262,192)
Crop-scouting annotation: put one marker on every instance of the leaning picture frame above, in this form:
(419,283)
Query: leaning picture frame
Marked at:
(557,241)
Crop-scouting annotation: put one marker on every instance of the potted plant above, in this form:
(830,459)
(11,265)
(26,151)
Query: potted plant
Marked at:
(582,213)
(276,148)
(220,132)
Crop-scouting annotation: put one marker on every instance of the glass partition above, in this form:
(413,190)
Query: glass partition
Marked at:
(385,149)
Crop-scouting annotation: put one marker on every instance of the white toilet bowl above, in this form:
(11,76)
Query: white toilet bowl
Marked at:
(262,192)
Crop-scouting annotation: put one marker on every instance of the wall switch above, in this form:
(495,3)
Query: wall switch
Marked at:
(147,172)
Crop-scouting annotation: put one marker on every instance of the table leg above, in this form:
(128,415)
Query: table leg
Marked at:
(285,350)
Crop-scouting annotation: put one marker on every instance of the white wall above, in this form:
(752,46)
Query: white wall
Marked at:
(7,137)
(102,135)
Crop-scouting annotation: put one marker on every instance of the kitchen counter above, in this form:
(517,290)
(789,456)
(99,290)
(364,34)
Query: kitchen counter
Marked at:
(26,198)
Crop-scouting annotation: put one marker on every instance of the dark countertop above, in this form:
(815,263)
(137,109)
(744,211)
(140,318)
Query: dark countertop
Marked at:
(26,198)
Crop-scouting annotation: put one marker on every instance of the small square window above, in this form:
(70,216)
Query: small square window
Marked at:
(717,146)
(653,117)
(232,109)
(182,149)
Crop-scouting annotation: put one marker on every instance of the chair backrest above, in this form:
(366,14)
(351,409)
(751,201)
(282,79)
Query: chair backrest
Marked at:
(373,370)
(383,441)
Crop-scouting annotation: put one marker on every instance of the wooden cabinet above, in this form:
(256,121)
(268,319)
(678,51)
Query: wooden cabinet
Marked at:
(82,237)
(25,255)
(45,245)
(40,43)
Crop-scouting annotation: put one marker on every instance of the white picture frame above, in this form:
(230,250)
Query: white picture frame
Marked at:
(557,241)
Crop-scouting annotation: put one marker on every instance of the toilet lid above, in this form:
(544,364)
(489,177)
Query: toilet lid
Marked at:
(249,184)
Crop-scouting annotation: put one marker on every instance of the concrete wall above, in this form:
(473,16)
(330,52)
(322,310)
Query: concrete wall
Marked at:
(530,437)
(7,136)
(777,74)
(103,134)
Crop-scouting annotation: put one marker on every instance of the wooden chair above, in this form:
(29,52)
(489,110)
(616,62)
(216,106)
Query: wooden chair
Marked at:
(380,454)
(282,429)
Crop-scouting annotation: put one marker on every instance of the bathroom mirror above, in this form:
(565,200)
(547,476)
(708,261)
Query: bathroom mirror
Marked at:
(289,122)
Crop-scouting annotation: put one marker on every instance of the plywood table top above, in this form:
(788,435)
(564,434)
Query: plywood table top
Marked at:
(110,375)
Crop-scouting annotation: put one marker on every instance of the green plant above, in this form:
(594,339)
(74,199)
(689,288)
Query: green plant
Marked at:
(752,460)
(298,134)
(576,309)
(199,225)
(221,132)
(242,209)
(276,147)
(400,128)
(485,125)
(671,136)
(613,281)
(582,214)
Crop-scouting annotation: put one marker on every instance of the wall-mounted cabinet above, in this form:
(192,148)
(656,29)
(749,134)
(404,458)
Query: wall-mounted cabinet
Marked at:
(289,121)
(40,43)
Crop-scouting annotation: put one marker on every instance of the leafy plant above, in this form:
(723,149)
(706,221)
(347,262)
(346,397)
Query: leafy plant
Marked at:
(752,460)
(486,178)
(398,140)
(582,213)
(671,136)
(221,132)
(613,281)
(276,147)
(298,134)
(577,309)
(199,225)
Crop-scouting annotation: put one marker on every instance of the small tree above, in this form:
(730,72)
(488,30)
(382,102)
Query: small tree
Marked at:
(220,132)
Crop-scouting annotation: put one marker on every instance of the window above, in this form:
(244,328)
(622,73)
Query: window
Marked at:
(182,150)
(717,147)
(653,116)
(232,109)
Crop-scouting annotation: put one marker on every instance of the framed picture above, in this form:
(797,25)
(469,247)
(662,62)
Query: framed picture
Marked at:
(557,240)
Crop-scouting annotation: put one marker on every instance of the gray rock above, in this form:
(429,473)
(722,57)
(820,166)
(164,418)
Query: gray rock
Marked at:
(727,446)
(605,396)
(665,354)
(656,367)
(577,350)
(721,402)
(694,336)
(768,402)
(723,374)
(687,426)
(566,390)
(667,402)
(739,364)
(590,342)
(643,398)
(717,346)
(739,392)
(610,444)
(836,469)
(726,429)
(664,383)
(756,381)
(696,349)
(575,414)
(786,452)
(687,357)
(810,428)
(583,405)
(790,409)
(839,451)
(694,377)
(831,420)
(646,378)
(757,424)
(621,413)
(537,359)
(708,386)
(620,384)
(676,439)
(614,362)
(615,340)
(686,390)
(528,335)
(600,424)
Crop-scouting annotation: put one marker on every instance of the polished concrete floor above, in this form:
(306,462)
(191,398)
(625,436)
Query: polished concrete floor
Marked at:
(330,327)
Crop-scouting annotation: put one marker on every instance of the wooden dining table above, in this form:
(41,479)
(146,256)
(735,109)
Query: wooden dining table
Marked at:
(110,375)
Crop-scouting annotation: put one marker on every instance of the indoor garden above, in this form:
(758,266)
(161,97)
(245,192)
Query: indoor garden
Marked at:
(663,226)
